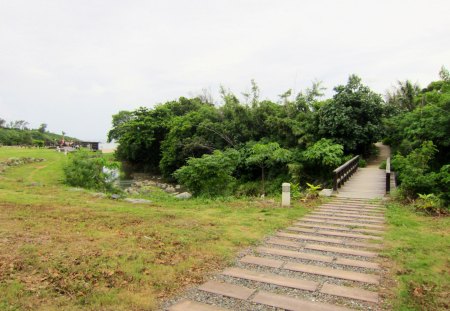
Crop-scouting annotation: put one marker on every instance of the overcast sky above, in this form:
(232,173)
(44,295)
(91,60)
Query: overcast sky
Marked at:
(74,63)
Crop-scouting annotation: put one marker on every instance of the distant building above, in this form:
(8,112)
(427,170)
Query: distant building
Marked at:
(92,145)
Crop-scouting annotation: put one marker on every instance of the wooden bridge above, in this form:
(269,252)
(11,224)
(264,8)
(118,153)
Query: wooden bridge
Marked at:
(369,182)
(326,261)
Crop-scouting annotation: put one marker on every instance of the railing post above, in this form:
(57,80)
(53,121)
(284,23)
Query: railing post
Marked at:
(335,181)
(388,175)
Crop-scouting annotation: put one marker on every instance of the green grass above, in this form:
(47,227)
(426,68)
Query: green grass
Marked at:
(418,247)
(66,248)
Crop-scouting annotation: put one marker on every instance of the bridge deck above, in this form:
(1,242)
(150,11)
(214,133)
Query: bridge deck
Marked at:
(368,182)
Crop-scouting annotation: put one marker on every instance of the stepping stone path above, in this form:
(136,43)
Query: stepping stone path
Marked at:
(326,261)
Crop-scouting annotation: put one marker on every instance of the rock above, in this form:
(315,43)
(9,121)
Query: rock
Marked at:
(98,194)
(177,187)
(184,195)
(137,201)
(326,193)
(115,196)
(170,189)
(164,186)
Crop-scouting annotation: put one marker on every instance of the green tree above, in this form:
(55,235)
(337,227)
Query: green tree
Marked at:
(265,155)
(42,128)
(353,118)
(404,96)
(324,154)
(119,122)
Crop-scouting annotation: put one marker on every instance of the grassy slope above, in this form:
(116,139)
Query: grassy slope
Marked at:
(419,251)
(68,249)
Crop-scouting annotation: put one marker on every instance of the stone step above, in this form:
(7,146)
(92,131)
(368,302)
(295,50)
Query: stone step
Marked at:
(370,221)
(305,230)
(352,201)
(357,263)
(353,210)
(188,305)
(343,223)
(308,237)
(318,270)
(354,206)
(228,290)
(356,200)
(294,254)
(271,279)
(293,304)
(320,258)
(368,209)
(346,215)
(322,239)
(284,242)
(349,235)
(340,250)
(334,273)
(261,261)
(349,292)
(319,226)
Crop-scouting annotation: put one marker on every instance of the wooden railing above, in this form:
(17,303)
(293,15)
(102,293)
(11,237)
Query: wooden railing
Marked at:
(388,175)
(343,172)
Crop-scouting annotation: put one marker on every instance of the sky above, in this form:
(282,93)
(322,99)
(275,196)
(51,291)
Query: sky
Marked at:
(72,64)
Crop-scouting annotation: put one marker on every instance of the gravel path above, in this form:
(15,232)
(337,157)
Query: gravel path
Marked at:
(313,265)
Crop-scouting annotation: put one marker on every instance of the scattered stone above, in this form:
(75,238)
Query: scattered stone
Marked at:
(326,193)
(177,187)
(137,201)
(170,189)
(184,195)
(115,196)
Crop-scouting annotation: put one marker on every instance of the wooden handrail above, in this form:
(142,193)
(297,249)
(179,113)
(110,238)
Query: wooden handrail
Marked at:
(343,172)
(388,175)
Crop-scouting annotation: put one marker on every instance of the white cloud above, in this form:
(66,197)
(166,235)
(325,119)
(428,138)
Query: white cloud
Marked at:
(72,64)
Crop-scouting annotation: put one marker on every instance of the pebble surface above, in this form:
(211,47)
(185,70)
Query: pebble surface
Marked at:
(316,296)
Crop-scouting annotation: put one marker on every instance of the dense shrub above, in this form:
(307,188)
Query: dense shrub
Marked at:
(211,174)
(90,170)
(413,171)
(418,180)
(316,163)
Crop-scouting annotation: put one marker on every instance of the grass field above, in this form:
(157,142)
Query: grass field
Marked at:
(65,248)
(418,260)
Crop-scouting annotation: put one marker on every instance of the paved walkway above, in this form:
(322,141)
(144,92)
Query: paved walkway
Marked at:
(368,182)
(326,261)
